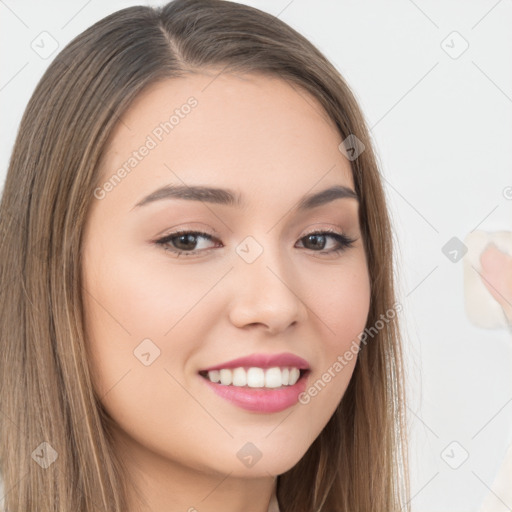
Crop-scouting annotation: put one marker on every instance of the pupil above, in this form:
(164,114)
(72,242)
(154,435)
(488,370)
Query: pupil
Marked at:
(321,245)
(182,237)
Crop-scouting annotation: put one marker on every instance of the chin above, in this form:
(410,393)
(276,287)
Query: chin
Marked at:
(274,463)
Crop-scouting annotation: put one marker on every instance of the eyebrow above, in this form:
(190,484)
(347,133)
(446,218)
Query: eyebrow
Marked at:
(231,198)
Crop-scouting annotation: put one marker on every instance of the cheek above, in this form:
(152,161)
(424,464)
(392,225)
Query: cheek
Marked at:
(131,299)
(146,296)
(342,303)
(128,308)
(341,310)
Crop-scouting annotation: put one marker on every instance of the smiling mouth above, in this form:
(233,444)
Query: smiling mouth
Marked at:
(238,377)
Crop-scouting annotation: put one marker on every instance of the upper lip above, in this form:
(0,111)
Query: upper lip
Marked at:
(285,359)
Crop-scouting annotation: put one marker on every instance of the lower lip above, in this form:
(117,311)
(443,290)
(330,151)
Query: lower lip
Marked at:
(260,399)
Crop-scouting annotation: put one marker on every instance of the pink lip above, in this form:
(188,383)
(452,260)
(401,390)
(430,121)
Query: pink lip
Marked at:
(264,400)
(285,359)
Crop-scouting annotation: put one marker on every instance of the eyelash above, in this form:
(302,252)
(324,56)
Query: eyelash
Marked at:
(344,241)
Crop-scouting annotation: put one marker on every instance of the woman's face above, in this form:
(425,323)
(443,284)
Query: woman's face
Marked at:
(155,318)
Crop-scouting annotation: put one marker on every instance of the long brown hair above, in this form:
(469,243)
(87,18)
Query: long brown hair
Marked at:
(48,407)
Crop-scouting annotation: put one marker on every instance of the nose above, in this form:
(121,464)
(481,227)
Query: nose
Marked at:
(265,294)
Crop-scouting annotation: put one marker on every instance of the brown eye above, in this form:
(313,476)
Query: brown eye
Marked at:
(316,241)
(184,242)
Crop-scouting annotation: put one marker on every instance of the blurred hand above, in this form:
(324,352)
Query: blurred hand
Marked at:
(497,277)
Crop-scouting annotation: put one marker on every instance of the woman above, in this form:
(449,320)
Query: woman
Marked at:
(258,366)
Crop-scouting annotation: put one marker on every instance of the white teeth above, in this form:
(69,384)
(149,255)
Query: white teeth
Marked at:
(294,375)
(226,377)
(255,377)
(214,375)
(239,377)
(273,378)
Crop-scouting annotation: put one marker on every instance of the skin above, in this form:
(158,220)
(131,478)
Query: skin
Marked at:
(497,277)
(273,144)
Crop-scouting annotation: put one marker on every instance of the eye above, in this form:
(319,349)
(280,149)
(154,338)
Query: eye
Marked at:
(318,240)
(182,241)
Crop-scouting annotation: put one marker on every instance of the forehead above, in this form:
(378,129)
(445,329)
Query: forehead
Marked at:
(238,130)
(224,93)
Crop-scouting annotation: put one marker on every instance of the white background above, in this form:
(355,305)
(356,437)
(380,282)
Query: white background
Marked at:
(443,133)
